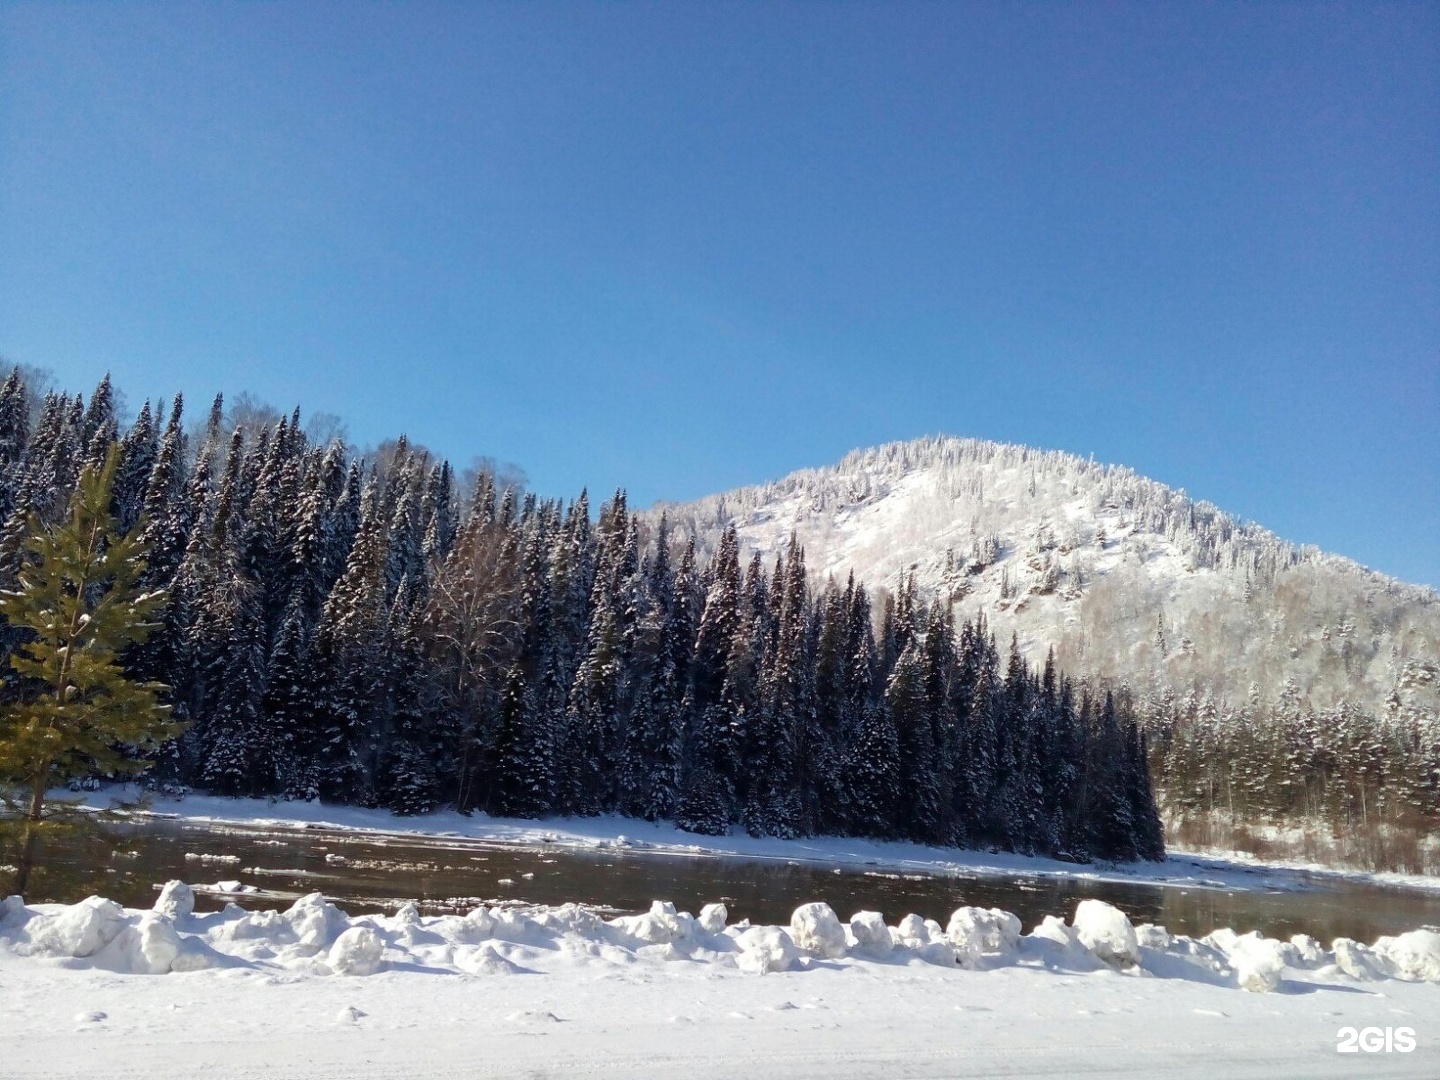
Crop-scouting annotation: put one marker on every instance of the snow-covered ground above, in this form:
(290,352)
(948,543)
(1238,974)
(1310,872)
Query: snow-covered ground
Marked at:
(92,990)
(1209,869)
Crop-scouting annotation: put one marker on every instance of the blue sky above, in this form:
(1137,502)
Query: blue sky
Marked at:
(681,247)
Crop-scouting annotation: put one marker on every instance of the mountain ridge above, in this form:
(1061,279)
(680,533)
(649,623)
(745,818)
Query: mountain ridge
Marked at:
(1124,576)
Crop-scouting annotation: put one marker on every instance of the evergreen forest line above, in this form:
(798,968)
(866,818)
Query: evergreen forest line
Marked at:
(358,629)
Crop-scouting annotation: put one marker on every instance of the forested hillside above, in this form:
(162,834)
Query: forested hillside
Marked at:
(1123,577)
(356,627)
(1277,682)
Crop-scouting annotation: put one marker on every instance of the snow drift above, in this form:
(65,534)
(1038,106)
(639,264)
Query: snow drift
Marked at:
(315,938)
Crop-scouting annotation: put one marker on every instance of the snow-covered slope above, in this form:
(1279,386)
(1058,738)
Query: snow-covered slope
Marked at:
(1125,577)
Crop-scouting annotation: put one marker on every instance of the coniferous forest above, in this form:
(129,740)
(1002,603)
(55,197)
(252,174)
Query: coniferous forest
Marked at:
(368,629)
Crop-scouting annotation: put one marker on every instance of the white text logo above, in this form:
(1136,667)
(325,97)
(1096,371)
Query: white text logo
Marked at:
(1374,1040)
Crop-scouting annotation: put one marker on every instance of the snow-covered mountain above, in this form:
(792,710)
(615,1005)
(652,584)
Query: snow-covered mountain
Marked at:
(1125,577)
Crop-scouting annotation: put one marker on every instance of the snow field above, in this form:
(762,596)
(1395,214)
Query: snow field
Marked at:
(560,992)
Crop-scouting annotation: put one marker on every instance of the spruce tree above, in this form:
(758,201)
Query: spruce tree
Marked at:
(14,438)
(80,605)
(137,461)
(679,598)
(524,766)
(873,792)
(407,779)
(906,704)
(167,521)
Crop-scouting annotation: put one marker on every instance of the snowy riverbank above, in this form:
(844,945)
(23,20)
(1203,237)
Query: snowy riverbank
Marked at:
(1190,870)
(92,989)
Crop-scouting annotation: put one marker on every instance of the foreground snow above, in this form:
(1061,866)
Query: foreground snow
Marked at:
(560,992)
(1184,869)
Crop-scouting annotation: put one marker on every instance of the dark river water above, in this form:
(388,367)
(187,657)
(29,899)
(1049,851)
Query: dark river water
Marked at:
(370,873)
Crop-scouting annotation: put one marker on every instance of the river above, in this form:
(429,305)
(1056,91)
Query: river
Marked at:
(368,872)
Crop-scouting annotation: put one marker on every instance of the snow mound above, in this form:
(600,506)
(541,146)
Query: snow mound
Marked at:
(1259,962)
(661,925)
(315,921)
(480,922)
(816,930)
(80,930)
(975,932)
(1106,931)
(357,951)
(925,939)
(407,915)
(911,932)
(1152,937)
(196,955)
(1360,961)
(764,949)
(1056,946)
(485,960)
(314,938)
(1309,953)
(177,900)
(712,918)
(150,947)
(1414,955)
(574,919)
(870,932)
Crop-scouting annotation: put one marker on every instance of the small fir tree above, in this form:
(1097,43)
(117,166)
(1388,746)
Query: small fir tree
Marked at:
(80,606)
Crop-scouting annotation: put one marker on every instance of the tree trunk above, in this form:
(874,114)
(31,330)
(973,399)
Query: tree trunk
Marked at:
(31,834)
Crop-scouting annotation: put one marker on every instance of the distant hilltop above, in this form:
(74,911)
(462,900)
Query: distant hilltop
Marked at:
(1125,577)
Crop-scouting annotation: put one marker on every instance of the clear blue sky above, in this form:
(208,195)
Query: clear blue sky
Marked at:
(681,247)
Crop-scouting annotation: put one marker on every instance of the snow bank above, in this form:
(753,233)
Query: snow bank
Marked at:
(314,938)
